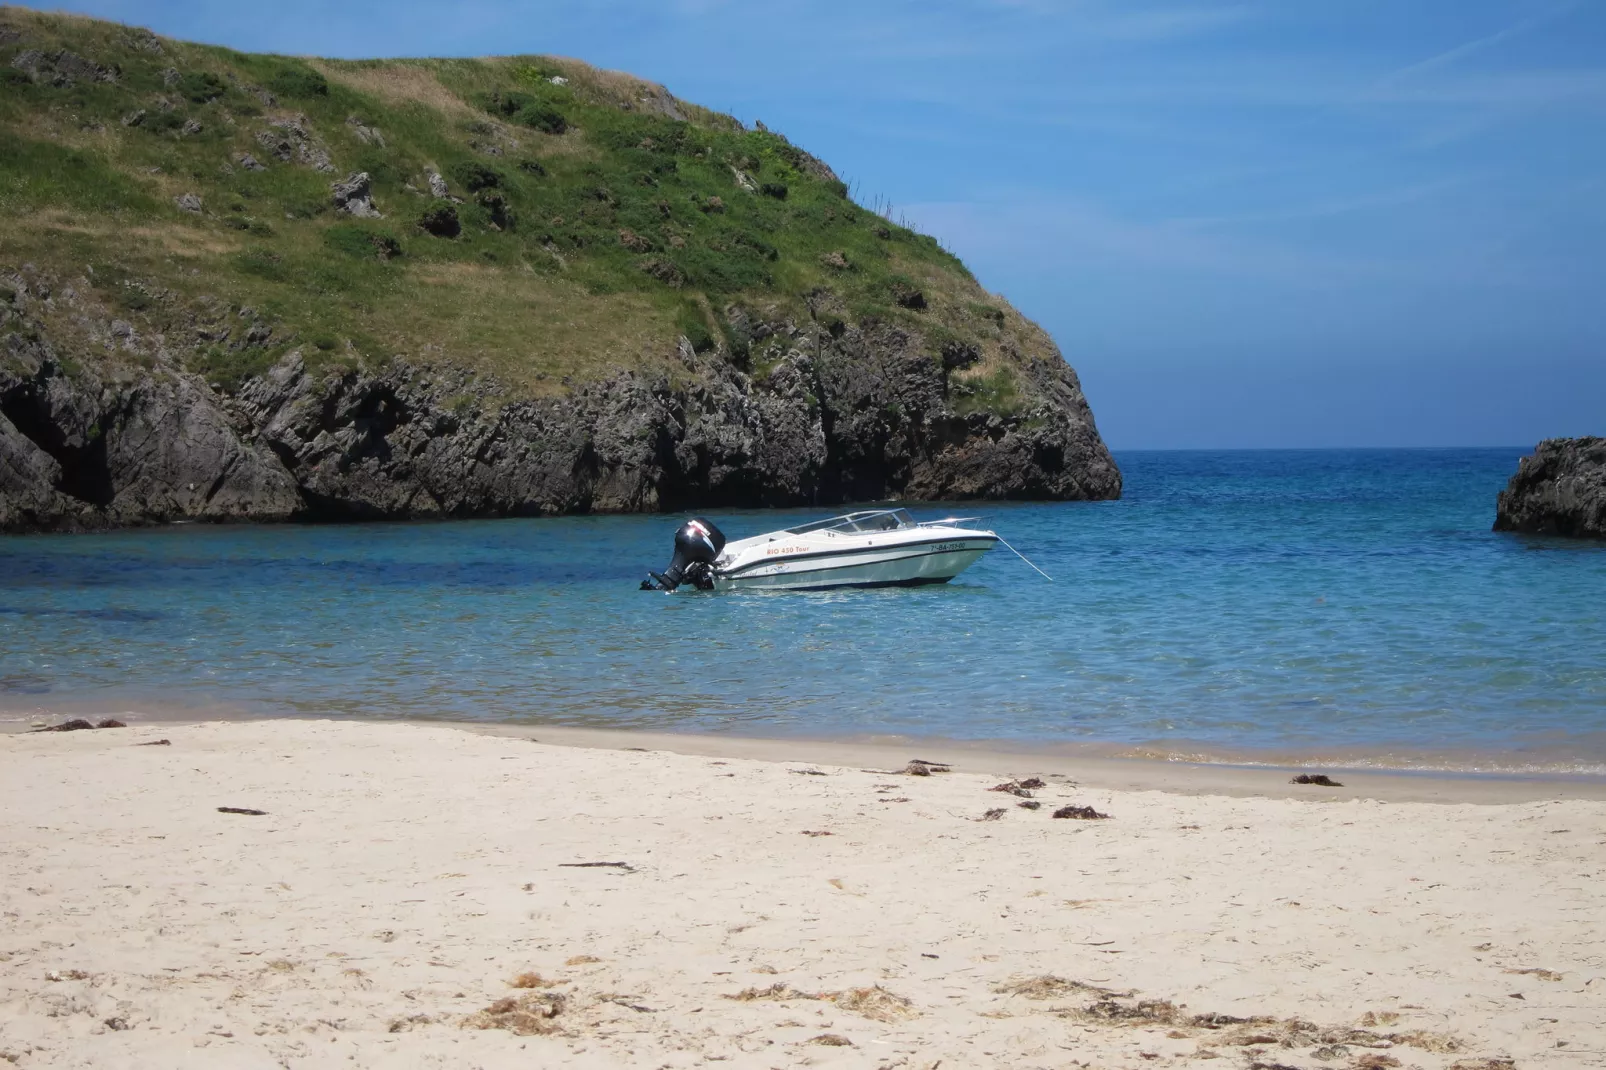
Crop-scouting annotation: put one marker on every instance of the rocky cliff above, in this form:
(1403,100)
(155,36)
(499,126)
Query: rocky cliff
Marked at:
(1560,490)
(133,438)
(239,287)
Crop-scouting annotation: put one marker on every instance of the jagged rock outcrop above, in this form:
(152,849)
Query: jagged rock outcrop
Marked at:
(1560,490)
(61,68)
(866,415)
(79,451)
(355,196)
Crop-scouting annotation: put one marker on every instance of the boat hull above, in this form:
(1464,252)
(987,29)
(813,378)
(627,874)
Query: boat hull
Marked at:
(885,566)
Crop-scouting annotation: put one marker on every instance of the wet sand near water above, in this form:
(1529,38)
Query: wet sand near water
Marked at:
(1089,765)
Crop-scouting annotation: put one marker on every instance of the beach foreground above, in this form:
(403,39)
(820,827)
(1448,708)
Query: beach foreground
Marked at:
(418,895)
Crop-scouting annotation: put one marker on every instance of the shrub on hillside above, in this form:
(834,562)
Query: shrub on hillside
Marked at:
(200,87)
(695,330)
(496,207)
(299,80)
(440,219)
(906,293)
(475,176)
(526,110)
(541,116)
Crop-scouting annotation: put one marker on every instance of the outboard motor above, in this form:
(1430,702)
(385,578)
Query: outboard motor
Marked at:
(697,545)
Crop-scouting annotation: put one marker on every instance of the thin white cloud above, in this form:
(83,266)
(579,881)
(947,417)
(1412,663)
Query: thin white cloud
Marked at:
(1473,47)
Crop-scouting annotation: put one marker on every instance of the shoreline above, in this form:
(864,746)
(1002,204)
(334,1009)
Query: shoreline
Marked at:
(1001,758)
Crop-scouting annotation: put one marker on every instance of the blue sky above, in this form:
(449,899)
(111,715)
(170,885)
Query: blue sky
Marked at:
(1266,223)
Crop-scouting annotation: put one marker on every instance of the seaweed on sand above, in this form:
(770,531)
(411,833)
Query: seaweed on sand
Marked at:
(875,1003)
(530,1014)
(1081,813)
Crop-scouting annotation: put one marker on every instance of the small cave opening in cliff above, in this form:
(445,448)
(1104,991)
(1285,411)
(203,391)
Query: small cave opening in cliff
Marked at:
(85,473)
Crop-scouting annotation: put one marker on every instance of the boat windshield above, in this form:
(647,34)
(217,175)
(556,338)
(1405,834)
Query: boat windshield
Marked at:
(854,523)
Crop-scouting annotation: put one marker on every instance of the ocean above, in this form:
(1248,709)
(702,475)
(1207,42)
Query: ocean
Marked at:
(1336,607)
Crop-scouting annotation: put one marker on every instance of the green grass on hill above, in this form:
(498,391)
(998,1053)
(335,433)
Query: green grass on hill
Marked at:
(590,220)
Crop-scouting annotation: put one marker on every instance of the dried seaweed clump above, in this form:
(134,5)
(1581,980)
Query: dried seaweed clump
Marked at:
(779,990)
(875,1003)
(1323,1043)
(531,980)
(1143,1012)
(1375,1061)
(1048,986)
(531,1014)
(831,1040)
(1081,813)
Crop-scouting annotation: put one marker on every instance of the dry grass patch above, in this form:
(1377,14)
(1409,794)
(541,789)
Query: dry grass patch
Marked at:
(191,241)
(397,83)
(528,330)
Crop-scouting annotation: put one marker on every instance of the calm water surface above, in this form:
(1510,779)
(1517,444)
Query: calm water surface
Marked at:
(1235,605)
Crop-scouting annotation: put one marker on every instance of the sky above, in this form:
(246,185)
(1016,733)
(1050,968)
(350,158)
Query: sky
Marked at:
(1269,223)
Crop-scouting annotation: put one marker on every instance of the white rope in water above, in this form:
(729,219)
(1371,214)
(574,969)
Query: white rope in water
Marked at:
(1023,557)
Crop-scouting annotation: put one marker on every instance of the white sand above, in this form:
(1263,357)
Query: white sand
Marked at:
(404,874)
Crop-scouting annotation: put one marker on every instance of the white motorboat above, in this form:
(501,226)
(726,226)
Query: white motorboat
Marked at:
(874,548)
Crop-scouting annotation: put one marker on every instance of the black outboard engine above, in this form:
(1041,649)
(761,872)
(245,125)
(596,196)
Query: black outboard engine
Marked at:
(697,545)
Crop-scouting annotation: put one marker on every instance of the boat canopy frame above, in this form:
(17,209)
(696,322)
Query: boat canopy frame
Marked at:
(869,520)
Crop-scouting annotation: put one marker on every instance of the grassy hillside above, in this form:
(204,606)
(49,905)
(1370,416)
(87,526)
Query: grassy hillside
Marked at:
(588,220)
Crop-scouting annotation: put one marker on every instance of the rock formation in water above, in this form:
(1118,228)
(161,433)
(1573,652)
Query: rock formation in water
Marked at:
(1560,490)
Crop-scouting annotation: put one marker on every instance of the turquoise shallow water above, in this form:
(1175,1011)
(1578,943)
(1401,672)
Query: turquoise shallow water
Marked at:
(1304,605)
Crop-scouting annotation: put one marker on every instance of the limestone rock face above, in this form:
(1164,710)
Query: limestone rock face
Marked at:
(1560,490)
(355,196)
(866,414)
(77,451)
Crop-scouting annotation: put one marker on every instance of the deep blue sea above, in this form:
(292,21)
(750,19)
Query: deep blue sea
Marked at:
(1327,605)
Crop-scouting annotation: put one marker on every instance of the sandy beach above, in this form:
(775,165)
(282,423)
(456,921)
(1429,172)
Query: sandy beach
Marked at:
(420,895)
